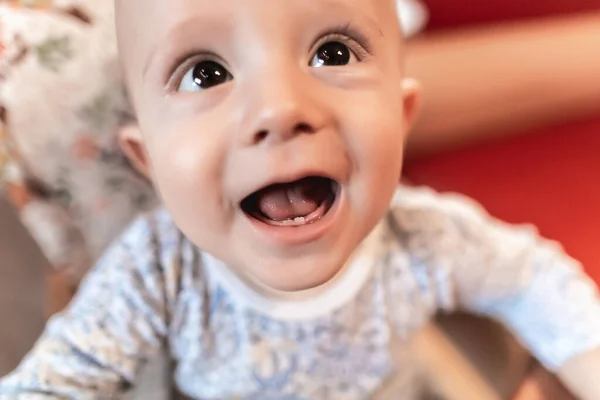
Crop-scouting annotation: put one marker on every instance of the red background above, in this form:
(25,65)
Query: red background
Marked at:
(549,178)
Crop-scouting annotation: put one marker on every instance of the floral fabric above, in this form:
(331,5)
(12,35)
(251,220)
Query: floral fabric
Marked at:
(155,291)
(61,105)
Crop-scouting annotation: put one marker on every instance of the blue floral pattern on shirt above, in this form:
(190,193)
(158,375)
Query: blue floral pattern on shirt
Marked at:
(155,290)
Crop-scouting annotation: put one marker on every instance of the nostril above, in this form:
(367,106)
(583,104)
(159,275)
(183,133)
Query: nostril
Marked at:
(260,136)
(298,129)
(304,128)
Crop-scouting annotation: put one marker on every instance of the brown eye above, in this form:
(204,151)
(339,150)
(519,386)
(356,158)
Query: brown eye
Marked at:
(332,54)
(204,75)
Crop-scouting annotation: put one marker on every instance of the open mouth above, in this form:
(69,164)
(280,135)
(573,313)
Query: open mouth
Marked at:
(292,204)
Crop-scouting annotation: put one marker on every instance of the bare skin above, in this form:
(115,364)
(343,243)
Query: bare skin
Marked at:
(235,96)
(277,118)
(511,77)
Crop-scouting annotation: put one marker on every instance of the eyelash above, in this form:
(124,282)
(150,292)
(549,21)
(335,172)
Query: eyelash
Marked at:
(182,64)
(346,34)
(356,41)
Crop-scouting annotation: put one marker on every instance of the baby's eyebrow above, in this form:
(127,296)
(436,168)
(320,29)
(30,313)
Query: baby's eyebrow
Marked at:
(177,37)
(205,24)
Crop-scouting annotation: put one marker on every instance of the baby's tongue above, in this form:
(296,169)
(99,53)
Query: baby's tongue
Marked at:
(292,200)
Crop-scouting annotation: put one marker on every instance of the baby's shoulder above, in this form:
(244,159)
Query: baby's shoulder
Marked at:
(152,232)
(450,226)
(152,255)
(419,210)
(153,243)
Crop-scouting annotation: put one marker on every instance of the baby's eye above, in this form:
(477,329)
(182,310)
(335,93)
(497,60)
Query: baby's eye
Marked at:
(333,54)
(204,75)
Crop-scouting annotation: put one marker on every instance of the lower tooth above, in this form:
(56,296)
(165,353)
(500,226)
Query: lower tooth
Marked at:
(293,221)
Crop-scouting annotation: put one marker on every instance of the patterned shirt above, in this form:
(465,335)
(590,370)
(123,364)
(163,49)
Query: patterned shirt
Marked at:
(155,290)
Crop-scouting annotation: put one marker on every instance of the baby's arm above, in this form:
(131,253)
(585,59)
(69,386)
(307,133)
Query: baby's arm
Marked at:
(578,374)
(475,263)
(536,290)
(95,348)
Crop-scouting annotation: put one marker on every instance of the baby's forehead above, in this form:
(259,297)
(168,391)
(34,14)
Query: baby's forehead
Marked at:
(146,27)
(165,12)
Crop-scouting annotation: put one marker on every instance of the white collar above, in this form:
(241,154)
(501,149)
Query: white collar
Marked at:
(313,303)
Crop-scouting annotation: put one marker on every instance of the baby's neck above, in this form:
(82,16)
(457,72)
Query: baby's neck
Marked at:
(283,295)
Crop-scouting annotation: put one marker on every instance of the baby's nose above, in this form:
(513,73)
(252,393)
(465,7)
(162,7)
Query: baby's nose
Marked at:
(281,111)
(281,123)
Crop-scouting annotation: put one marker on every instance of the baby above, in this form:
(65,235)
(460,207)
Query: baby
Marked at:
(287,263)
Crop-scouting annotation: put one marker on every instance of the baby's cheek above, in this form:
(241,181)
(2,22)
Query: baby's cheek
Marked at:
(378,153)
(187,173)
(382,149)
(188,155)
(380,141)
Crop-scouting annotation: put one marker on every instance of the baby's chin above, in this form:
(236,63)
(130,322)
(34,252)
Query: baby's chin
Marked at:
(299,269)
(295,275)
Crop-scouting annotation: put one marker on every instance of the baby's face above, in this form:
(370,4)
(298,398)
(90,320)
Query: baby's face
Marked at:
(274,129)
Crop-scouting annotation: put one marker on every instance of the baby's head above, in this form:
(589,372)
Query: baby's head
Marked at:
(272,129)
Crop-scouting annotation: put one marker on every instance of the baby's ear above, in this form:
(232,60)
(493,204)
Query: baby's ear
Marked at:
(411,98)
(130,141)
